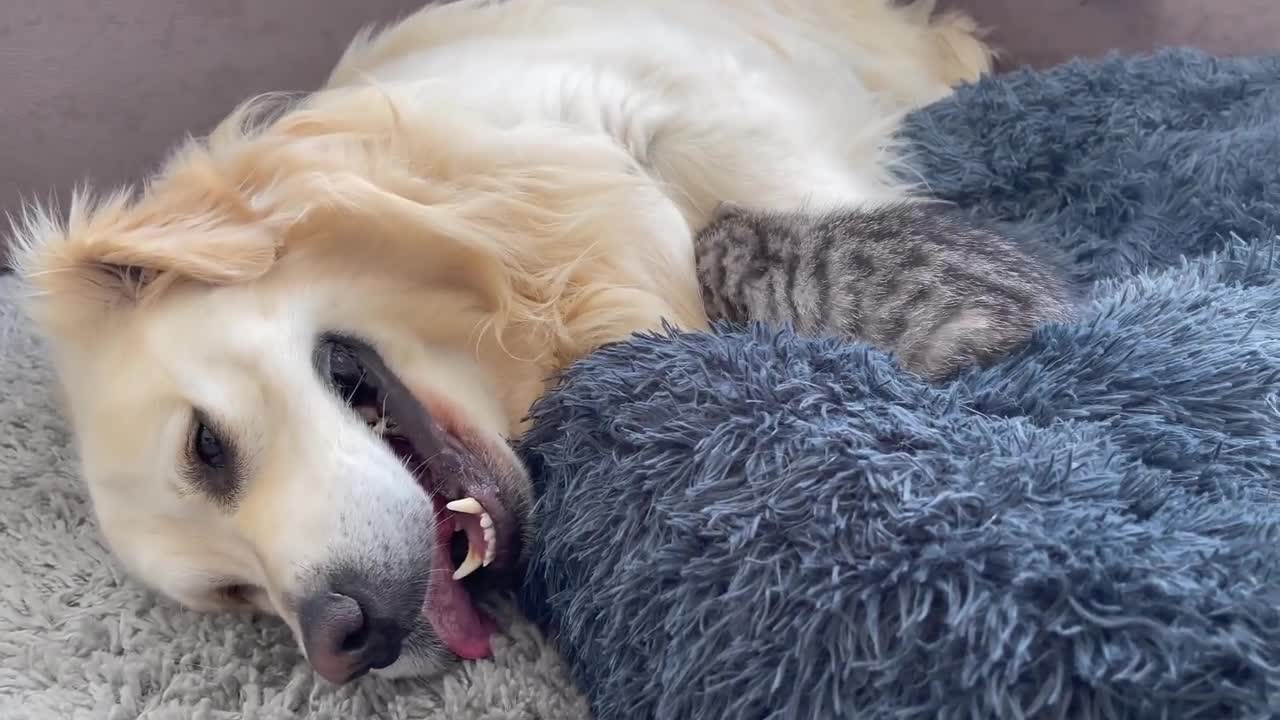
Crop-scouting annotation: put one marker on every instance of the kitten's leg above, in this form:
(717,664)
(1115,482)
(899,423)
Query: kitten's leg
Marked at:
(974,335)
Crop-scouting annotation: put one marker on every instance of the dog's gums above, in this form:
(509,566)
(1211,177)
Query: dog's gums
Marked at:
(466,503)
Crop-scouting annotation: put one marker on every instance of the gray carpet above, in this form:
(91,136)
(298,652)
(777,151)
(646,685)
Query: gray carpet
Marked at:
(78,640)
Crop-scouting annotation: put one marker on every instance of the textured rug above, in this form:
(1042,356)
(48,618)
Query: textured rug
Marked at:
(78,640)
(751,525)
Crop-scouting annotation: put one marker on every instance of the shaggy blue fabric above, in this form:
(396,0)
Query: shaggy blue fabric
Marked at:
(747,524)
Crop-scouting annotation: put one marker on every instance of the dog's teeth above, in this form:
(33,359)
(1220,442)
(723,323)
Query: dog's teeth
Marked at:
(471,506)
(469,565)
(490,545)
(468,505)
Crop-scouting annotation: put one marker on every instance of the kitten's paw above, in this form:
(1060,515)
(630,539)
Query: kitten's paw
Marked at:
(727,210)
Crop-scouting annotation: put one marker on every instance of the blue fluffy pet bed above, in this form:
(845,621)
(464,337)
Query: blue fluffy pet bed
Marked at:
(747,524)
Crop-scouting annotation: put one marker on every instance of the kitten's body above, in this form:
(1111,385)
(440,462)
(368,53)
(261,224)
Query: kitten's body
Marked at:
(922,281)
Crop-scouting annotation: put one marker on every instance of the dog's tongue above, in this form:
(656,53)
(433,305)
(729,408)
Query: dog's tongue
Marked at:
(462,627)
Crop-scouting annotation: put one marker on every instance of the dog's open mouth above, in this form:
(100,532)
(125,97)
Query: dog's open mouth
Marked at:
(475,532)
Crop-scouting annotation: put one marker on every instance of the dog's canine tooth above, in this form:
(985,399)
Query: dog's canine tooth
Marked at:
(468,505)
(470,564)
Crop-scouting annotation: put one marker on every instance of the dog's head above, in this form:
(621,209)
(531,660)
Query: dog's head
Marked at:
(294,362)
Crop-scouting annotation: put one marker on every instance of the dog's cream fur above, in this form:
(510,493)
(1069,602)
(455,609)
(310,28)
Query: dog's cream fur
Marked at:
(485,190)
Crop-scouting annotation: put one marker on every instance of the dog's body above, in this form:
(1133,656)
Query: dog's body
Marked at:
(302,323)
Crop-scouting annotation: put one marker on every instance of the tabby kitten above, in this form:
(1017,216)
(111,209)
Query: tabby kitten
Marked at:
(919,280)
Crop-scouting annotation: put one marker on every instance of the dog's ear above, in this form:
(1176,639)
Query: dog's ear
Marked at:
(113,254)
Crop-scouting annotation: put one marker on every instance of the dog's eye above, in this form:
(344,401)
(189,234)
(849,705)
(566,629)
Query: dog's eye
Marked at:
(208,448)
(211,461)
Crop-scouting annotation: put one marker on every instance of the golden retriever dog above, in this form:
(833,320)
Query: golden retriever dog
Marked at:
(295,359)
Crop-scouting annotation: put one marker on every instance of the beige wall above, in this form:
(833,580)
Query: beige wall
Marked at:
(1045,32)
(100,90)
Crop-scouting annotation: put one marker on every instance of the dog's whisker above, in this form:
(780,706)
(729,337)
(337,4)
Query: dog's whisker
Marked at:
(421,466)
(354,388)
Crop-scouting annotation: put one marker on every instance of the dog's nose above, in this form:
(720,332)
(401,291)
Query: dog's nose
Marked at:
(344,639)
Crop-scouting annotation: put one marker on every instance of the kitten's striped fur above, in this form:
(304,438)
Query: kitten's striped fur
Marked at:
(920,280)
